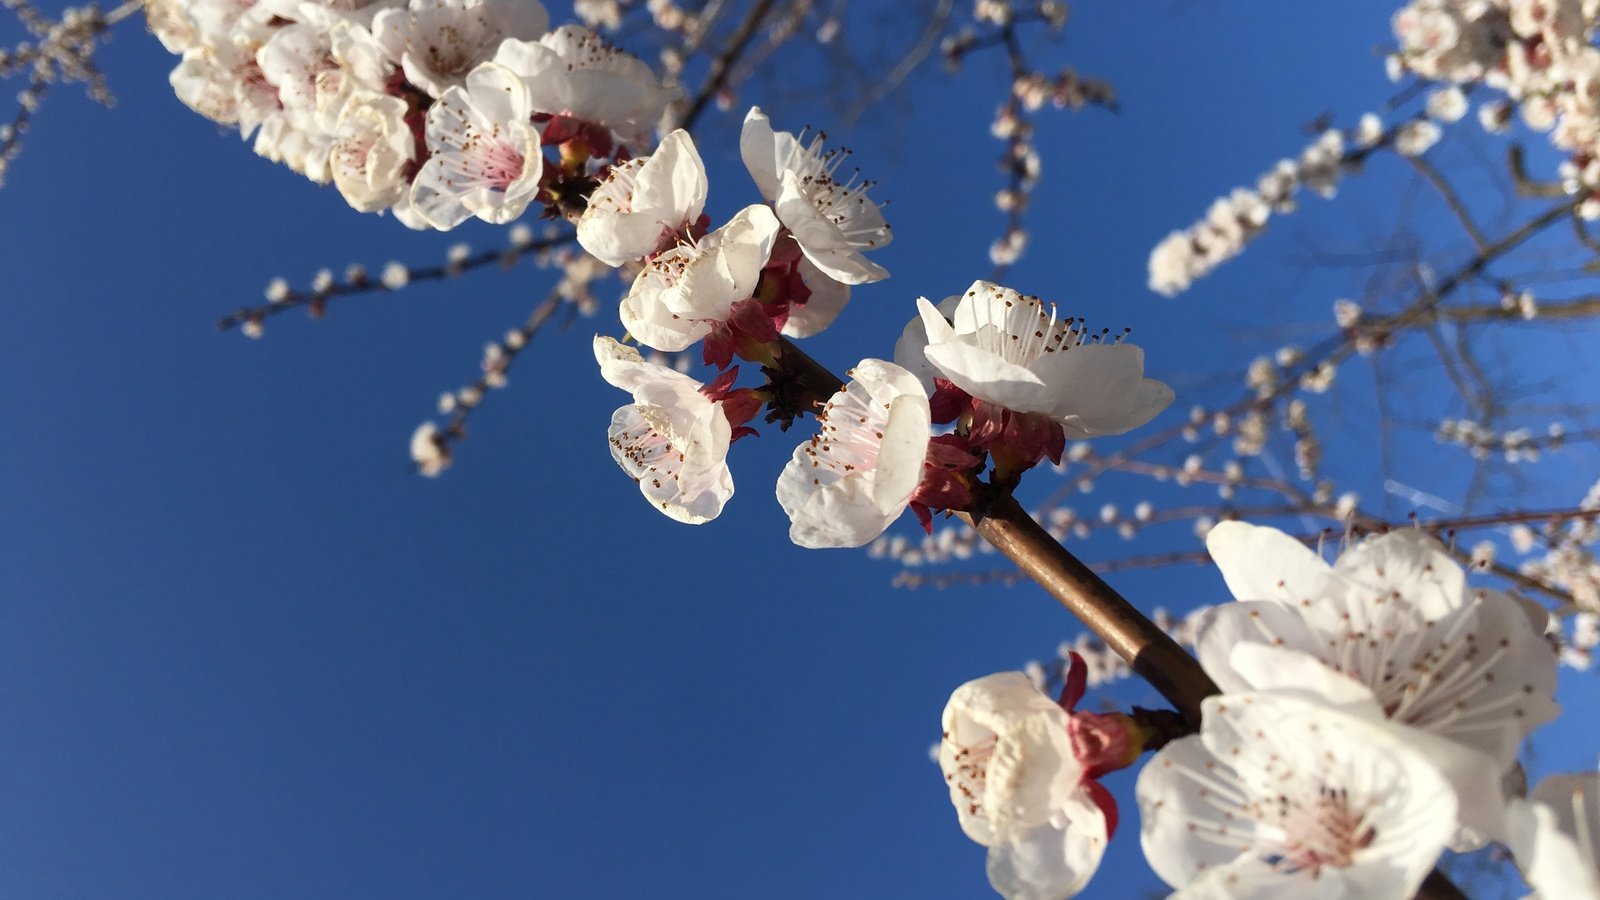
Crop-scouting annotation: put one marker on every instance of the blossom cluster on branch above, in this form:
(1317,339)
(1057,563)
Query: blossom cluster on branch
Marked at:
(1360,718)
(437,110)
(1535,58)
(1011,378)
(1370,713)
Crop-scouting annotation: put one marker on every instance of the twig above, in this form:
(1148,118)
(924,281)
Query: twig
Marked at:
(362,282)
(722,66)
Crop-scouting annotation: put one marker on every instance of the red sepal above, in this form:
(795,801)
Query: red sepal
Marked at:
(747,332)
(948,401)
(1108,804)
(1075,682)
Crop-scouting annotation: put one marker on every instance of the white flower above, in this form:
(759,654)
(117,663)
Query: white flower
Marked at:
(1555,836)
(486,160)
(429,450)
(1019,789)
(1278,795)
(291,59)
(1174,265)
(851,481)
(371,151)
(360,68)
(673,439)
(833,221)
(1447,104)
(571,72)
(684,292)
(643,198)
(293,140)
(224,83)
(1006,349)
(1369,130)
(1416,137)
(1394,614)
(438,42)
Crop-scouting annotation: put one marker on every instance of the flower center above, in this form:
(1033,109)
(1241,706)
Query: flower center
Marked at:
(844,203)
(970,773)
(615,194)
(644,450)
(1324,832)
(492,160)
(851,435)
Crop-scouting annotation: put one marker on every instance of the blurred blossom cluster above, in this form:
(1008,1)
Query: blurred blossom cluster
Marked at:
(1533,59)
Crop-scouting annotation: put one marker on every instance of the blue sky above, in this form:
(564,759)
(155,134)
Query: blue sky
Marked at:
(245,653)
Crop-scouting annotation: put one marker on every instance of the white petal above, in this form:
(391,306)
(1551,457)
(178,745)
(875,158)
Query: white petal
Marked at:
(827,300)
(989,377)
(844,487)
(1554,864)
(1265,564)
(820,238)
(1053,860)
(1221,628)
(1408,562)
(909,350)
(762,155)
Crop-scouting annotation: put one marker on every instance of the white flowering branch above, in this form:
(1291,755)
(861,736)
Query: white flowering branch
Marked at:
(61,51)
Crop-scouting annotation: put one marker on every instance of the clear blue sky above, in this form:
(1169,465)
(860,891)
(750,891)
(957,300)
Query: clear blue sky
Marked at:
(245,653)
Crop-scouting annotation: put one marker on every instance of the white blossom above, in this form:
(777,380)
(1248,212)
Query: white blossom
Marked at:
(832,219)
(1008,350)
(572,72)
(642,199)
(1416,137)
(1369,130)
(371,152)
(1447,104)
(429,450)
(438,42)
(673,439)
(685,291)
(1392,613)
(1018,788)
(1279,796)
(485,153)
(845,486)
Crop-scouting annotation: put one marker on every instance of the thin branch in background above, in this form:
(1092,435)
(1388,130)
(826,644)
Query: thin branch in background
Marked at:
(357,281)
(433,448)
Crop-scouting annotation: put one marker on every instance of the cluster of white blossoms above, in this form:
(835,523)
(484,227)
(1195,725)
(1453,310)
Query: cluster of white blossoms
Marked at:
(437,110)
(1537,55)
(1233,220)
(1014,379)
(1370,716)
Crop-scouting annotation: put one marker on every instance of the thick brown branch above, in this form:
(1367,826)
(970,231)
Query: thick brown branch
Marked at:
(1151,652)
